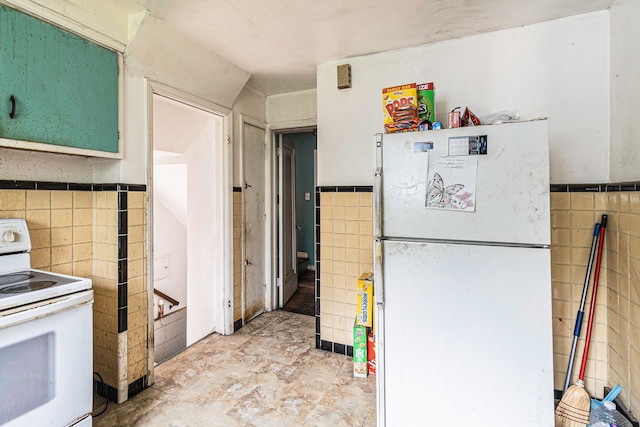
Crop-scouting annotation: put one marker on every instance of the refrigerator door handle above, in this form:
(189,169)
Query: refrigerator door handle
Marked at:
(378,282)
(378,286)
(377,187)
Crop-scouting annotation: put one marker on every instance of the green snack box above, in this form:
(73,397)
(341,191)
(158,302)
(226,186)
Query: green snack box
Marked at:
(426,102)
(360,367)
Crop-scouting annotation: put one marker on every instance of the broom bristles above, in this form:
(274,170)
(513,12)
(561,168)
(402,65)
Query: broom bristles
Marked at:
(573,409)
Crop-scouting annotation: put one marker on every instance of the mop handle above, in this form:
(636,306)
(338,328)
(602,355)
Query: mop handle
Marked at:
(592,309)
(580,315)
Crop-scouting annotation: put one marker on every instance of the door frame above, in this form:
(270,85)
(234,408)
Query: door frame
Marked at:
(273,131)
(224,296)
(244,119)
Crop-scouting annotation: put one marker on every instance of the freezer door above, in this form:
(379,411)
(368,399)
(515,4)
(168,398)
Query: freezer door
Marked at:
(512,186)
(467,336)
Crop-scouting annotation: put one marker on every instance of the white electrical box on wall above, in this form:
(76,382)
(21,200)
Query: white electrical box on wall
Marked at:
(344,76)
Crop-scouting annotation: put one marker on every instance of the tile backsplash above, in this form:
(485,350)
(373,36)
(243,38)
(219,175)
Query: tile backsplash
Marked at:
(237,258)
(94,231)
(614,353)
(77,229)
(344,250)
(573,217)
(344,236)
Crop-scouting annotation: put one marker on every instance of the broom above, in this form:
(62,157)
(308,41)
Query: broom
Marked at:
(580,315)
(573,409)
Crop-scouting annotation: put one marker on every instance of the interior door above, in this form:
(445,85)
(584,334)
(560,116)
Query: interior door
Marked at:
(288,251)
(253,195)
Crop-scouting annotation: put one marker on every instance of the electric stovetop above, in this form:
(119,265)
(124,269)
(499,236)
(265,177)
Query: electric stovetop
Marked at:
(29,286)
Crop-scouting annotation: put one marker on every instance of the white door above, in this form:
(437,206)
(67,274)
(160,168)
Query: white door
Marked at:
(253,196)
(288,268)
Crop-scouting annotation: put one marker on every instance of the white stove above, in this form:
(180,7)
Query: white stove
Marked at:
(46,345)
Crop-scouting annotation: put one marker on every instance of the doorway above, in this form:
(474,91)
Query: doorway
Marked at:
(188,201)
(297,182)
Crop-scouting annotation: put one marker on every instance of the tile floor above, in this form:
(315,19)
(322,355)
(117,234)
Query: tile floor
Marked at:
(266,374)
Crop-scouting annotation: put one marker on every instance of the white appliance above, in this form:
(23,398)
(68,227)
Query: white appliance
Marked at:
(463,298)
(46,339)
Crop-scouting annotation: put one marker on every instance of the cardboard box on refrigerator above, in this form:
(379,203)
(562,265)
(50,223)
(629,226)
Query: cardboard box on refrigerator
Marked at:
(400,108)
(364,307)
(426,102)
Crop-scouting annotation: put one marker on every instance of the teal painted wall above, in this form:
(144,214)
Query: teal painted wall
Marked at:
(305,144)
(66,88)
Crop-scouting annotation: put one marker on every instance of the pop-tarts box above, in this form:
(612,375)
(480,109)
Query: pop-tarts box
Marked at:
(364,307)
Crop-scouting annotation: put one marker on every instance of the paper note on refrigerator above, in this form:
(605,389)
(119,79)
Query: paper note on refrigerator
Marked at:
(452,183)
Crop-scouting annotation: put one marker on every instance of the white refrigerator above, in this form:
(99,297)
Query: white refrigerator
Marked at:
(462,277)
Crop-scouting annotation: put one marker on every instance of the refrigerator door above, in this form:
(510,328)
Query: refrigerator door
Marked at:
(467,336)
(512,186)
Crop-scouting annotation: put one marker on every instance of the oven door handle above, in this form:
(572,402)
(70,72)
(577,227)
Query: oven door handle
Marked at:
(27,313)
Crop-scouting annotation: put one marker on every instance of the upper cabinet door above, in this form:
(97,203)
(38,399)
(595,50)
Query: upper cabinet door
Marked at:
(61,90)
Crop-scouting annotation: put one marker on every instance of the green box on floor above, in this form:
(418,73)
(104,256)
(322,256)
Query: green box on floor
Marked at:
(360,367)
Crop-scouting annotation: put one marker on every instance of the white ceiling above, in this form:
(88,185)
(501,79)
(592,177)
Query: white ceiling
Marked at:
(280,42)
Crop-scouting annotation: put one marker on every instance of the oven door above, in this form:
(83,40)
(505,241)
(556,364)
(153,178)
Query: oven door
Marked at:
(46,362)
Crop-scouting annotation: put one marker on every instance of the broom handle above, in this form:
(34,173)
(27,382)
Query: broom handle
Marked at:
(580,315)
(592,309)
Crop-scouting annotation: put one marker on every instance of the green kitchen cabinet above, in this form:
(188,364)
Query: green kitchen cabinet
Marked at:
(56,89)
